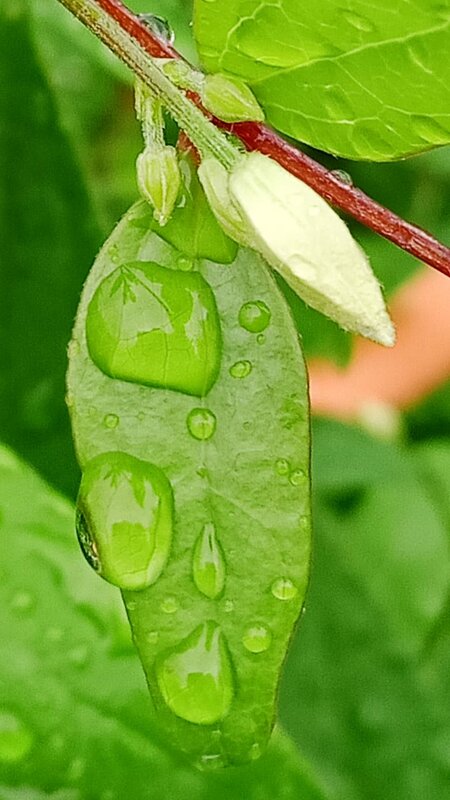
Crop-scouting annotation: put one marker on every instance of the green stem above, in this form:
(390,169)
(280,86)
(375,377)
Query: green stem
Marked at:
(205,136)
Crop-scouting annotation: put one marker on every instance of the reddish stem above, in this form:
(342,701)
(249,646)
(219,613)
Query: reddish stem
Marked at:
(257,136)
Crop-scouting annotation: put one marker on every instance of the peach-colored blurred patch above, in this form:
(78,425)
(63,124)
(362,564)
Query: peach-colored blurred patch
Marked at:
(397,377)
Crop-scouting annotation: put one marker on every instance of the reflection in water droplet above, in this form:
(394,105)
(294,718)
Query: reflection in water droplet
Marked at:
(257,639)
(254,316)
(201,423)
(124,519)
(241,369)
(284,589)
(111,421)
(208,565)
(195,678)
(298,477)
(342,176)
(185,263)
(156,326)
(282,466)
(16,740)
(169,605)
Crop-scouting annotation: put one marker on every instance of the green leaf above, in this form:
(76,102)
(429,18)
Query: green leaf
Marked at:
(48,233)
(71,689)
(366,682)
(238,462)
(358,80)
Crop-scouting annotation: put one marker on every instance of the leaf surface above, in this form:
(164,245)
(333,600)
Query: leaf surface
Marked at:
(365,81)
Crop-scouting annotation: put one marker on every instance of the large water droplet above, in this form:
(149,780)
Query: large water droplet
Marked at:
(124,519)
(16,740)
(241,369)
(195,678)
(208,565)
(156,326)
(254,316)
(257,639)
(201,423)
(284,589)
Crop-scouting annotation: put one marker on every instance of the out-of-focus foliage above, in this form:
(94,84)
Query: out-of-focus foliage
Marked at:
(74,708)
(364,690)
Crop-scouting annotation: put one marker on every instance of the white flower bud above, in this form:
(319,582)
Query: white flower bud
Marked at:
(159,180)
(301,236)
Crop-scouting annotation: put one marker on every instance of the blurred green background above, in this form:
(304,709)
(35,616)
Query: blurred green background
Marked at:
(364,699)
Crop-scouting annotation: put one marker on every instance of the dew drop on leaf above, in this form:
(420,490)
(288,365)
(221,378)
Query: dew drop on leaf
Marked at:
(257,639)
(208,564)
(169,605)
(124,519)
(284,589)
(241,369)
(156,326)
(158,25)
(282,466)
(16,740)
(201,423)
(185,263)
(195,677)
(111,421)
(298,477)
(254,316)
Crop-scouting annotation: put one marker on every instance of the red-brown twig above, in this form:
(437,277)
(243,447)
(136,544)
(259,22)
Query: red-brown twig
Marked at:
(257,136)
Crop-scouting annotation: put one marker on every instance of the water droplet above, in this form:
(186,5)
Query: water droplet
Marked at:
(16,740)
(22,602)
(342,176)
(201,423)
(169,605)
(257,639)
(155,326)
(79,655)
(152,637)
(114,254)
(185,263)
(298,477)
(202,471)
(195,678)
(255,751)
(254,316)
(241,369)
(247,425)
(284,589)
(111,421)
(260,339)
(282,466)
(430,130)
(208,565)
(211,761)
(228,606)
(358,22)
(124,519)
(158,25)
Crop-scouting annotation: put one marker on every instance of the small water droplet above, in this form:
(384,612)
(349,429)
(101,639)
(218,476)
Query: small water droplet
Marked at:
(111,421)
(282,466)
(16,740)
(358,22)
(342,176)
(202,471)
(169,605)
(298,477)
(195,678)
(158,25)
(284,589)
(124,519)
(257,639)
(22,602)
(185,263)
(114,253)
(260,339)
(201,423)
(210,761)
(152,637)
(228,606)
(254,316)
(247,425)
(241,369)
(208,565)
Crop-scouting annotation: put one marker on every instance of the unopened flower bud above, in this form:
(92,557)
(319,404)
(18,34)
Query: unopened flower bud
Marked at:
(159,180)
(230,99)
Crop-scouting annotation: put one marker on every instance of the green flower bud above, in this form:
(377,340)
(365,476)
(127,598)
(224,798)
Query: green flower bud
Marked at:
(298,233)
(159,180)
(230,99)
